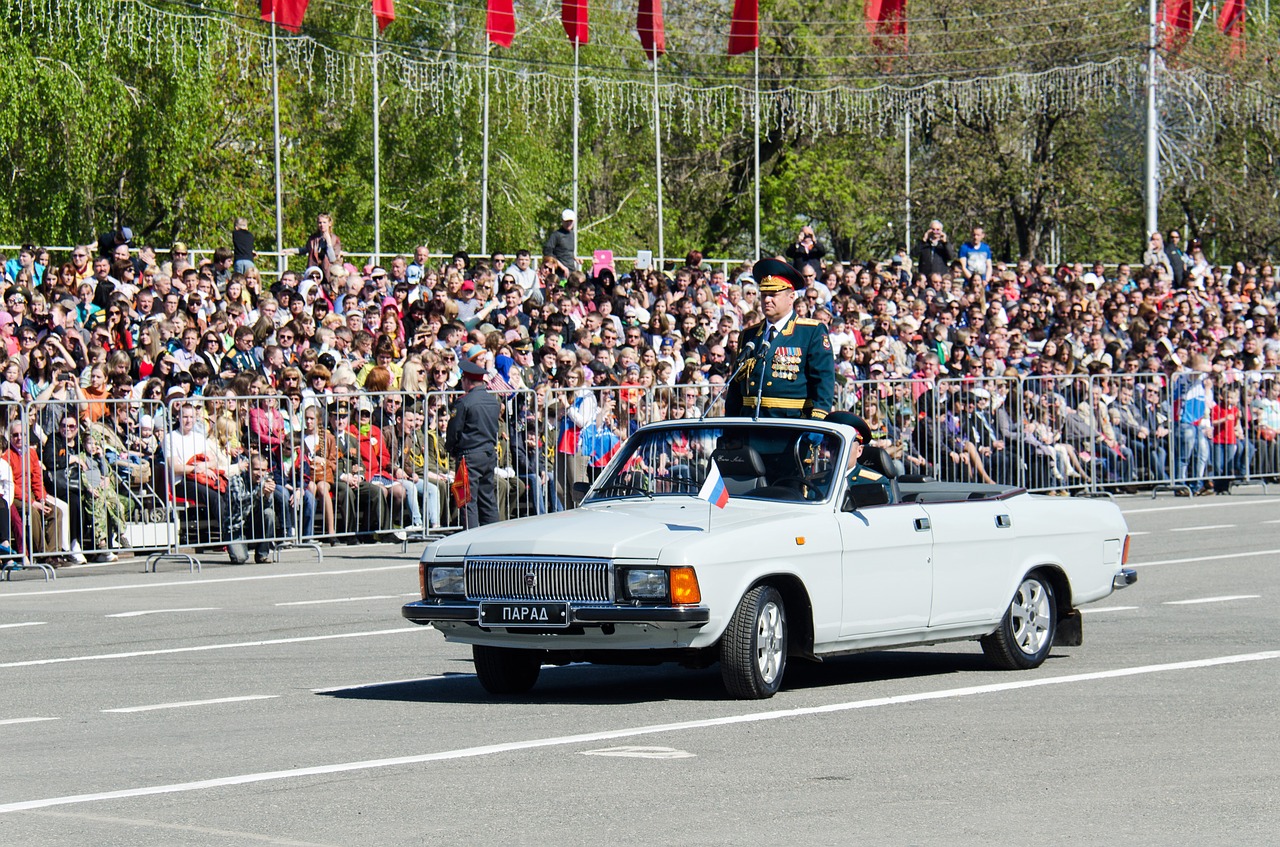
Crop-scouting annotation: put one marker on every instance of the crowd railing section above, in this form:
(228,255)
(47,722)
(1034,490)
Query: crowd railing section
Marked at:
(88,479)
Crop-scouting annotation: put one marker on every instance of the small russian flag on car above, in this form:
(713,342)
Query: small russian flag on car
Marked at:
(713,490)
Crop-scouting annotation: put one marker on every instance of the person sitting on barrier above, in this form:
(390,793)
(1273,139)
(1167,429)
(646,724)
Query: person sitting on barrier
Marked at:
(64,469)
(48,515)
(199,470)
(360,508)
(319,458)
(11,535)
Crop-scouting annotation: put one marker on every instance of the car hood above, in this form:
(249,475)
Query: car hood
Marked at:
(619,529)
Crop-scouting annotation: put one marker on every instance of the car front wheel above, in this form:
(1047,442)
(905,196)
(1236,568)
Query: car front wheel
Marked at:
(753,649)
(504,671)
(1026,633)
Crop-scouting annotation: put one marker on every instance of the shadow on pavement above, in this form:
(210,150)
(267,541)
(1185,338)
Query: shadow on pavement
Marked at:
(585,684)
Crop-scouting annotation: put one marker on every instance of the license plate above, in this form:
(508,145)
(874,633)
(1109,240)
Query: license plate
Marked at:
(524,614)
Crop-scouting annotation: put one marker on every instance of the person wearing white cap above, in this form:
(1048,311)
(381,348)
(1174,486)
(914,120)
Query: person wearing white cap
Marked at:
(561,242)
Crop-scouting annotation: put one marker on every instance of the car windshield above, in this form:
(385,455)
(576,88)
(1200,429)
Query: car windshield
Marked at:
(757,461)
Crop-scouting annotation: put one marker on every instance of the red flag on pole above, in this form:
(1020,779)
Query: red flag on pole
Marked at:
(744,29)
(573,15)
(385,12)
(1231,22)
(287,13)
(649,24)
(887,21)
(1178,17)
(501,22)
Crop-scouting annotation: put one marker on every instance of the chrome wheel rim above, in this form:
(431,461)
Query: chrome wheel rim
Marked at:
(1030,616)
(770,640)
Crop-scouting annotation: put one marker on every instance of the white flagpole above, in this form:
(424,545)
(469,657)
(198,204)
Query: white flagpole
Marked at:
(906,236)
(657,144)
(756,110)
(275,117)
(377,173)
(1152,170)
(576,105)
(484,164)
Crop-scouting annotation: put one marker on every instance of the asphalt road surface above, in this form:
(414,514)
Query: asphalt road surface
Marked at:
(291,704)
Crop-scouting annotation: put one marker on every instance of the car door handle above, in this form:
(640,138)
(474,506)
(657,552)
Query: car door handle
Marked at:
(922,524)
(1003,521)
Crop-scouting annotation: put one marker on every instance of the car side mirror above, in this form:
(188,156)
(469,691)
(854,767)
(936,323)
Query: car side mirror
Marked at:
(581,488)
(848,504)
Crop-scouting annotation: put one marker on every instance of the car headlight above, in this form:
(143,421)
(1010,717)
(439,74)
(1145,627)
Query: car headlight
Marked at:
(645,583)
(446,581)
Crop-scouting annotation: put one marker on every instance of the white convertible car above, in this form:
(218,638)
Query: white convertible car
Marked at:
(801,562)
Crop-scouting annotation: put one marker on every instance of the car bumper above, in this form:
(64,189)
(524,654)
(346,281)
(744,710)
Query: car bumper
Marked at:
(663,617)
(1124,578)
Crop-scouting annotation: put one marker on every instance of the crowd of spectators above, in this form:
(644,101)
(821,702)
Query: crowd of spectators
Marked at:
(964,365)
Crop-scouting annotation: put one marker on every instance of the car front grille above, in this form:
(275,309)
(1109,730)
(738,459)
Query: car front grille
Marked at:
(580,580)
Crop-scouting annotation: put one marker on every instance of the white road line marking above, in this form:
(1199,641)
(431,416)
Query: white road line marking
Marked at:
(632,751)
(202,647)
(24,623)
(187,703)
(162,612)
(634,732)
(340,600)
(1212,599)
(1107,609)
(1235,501)
(24,720)
(1275,521)
(1249,555)
(1207,526)
(361,685)
(202,582)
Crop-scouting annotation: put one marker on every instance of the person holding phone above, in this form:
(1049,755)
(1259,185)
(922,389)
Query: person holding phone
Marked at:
(806,251)
(933,254)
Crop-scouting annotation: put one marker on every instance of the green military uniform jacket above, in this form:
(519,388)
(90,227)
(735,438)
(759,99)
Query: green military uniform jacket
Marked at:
(798,370)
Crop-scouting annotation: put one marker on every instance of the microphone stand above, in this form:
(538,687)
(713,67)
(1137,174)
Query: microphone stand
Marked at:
(765,353)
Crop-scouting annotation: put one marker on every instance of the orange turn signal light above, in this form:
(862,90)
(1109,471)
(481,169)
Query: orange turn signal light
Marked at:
(422,579)
(1124,557)
(684,586)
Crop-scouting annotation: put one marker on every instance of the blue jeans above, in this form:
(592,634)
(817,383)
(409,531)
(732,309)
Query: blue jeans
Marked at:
(243,265)
(539,485)
(1224,456)
(1193,455)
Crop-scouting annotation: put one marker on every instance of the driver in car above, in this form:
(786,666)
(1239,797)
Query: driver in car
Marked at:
(859,474)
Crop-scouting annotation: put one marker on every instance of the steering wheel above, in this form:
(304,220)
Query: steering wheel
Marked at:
(800,484)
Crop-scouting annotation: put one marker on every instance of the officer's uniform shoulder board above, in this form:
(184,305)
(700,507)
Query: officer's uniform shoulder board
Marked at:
(807,322)
(864,473)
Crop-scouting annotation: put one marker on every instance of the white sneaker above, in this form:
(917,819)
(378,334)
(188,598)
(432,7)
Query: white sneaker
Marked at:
(76,556)
(400,535)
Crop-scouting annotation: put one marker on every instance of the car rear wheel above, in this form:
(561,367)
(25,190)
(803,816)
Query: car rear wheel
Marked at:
(1025,635)
(753,649)
(504,671)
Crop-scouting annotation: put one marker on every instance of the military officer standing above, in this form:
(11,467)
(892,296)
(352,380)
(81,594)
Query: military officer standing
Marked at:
(791,370)
(473,435)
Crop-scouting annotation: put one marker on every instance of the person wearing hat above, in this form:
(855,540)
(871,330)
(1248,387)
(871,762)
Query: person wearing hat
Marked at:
(473,436)
(859,474)
(791,369)
(561,244)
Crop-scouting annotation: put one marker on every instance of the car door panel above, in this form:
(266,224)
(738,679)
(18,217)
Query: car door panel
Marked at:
(887,567)
(974,543)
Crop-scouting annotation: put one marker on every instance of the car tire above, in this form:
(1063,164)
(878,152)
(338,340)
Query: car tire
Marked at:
(505,671)
(753,649)
(1025,635)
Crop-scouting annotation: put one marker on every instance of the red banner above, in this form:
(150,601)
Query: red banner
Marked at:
(385,12)
(649,24)
(573,14)
(288,13)
(1231,22)
(887,23)
(1178,17)
(744,29)
(501,22)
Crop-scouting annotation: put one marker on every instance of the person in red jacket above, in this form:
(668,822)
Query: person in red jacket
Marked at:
(48,521)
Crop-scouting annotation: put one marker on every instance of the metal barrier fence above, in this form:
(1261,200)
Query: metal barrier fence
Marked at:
(86,479)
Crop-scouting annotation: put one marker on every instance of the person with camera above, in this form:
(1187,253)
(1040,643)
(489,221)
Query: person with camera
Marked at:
(806,251)
(933,254)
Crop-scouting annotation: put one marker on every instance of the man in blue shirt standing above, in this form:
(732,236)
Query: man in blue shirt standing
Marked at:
(975,256)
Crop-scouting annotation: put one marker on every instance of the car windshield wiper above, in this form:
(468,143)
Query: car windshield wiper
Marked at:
(627,488)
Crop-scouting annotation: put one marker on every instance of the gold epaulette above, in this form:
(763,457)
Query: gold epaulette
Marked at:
(807,322)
